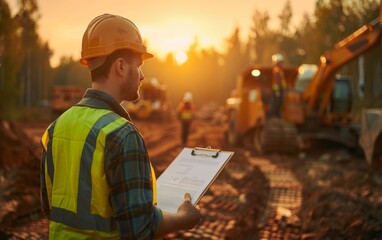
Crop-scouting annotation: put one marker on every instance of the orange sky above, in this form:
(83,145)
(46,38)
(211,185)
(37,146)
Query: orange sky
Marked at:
(166,25)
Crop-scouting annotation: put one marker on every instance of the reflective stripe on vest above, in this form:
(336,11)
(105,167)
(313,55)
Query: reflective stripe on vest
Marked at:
(186,115)
(69,195)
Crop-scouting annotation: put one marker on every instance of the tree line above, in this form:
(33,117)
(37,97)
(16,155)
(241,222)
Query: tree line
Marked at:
(27,78)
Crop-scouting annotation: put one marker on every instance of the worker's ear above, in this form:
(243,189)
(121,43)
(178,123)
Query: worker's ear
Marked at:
(120,66)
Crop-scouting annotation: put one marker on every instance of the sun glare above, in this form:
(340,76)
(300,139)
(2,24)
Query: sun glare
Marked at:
(181,57)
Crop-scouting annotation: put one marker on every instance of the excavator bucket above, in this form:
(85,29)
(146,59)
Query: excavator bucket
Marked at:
(371,136)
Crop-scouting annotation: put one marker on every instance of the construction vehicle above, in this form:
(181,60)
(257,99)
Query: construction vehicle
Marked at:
(63,97)
(317,104)
(249,103)
(153,103)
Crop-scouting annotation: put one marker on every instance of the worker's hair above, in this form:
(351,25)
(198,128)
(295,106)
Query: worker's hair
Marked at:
(104,70)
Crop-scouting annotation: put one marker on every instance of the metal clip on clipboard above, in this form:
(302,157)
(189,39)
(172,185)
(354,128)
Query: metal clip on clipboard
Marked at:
(208,152)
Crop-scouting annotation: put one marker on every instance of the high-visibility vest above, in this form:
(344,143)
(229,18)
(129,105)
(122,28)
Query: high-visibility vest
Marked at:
(278,79)
(74,174)
(186,110)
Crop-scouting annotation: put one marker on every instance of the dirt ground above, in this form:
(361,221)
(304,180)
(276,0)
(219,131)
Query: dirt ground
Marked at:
(342,196)
(338,194)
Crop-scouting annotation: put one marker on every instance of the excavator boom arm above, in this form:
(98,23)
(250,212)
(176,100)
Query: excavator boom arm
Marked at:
(344,51)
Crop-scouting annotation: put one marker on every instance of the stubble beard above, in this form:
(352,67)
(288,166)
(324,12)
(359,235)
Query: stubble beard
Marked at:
(137,95)
(130,95)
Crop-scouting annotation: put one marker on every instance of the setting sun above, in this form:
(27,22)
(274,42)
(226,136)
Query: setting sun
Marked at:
(168,26)
(181,57)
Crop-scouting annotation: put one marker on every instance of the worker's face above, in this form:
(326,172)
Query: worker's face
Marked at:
(133,77)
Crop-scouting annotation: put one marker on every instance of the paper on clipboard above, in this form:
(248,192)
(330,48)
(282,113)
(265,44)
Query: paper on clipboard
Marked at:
(192,171)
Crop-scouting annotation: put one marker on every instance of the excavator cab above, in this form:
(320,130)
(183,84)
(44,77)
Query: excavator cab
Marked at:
(340,106)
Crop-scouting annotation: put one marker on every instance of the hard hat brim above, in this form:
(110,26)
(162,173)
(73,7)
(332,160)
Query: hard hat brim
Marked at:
(147,55)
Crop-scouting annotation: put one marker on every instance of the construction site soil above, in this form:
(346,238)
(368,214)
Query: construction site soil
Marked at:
(322,193)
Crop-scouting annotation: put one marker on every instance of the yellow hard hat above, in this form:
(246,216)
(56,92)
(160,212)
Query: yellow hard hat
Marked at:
(107,33)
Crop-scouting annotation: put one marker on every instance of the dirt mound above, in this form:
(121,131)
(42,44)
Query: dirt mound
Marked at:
(19,176)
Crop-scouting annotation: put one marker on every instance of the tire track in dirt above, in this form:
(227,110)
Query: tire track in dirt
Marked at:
(279,220)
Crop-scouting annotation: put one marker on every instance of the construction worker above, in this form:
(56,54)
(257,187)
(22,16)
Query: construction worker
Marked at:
(97,181)
(278,85)
(186,111)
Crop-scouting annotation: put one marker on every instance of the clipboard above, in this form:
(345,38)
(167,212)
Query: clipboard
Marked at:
(193,171)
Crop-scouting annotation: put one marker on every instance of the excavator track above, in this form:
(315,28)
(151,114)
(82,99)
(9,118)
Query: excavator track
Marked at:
(276,135)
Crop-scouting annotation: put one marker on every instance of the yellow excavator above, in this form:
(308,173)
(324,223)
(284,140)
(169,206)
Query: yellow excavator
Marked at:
(317,104)
(153,103)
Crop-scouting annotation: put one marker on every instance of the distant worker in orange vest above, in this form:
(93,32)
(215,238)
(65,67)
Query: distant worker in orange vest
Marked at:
(186,111)
(278,85)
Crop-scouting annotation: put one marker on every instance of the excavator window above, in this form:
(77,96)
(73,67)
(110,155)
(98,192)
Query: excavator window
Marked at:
(341,99)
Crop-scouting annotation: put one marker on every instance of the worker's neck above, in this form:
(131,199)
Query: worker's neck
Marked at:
(107,88)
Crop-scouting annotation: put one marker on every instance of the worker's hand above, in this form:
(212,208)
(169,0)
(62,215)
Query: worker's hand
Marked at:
(189,213)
